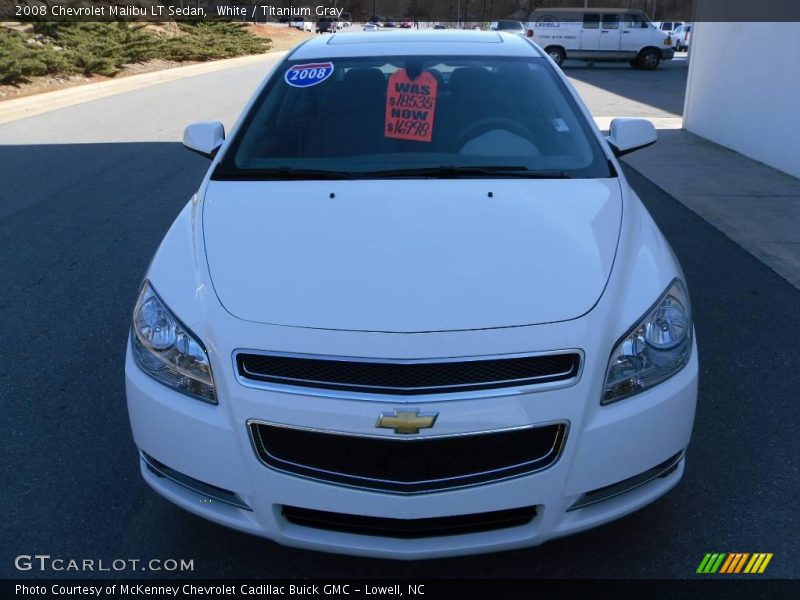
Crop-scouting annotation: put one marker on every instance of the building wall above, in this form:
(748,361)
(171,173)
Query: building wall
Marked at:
(743,90)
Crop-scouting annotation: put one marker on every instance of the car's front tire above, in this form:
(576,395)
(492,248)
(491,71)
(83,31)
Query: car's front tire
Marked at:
(648,59)
(557,53)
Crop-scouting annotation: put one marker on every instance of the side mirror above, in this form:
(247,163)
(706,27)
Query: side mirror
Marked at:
(204,138)
(627,135)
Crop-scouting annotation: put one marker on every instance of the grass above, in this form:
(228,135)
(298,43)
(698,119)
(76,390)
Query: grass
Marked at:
(104,48)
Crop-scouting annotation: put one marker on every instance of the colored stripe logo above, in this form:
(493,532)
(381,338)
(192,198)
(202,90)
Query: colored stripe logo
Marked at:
(732,563)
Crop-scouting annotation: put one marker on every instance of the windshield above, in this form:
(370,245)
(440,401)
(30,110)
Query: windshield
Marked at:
(407,116)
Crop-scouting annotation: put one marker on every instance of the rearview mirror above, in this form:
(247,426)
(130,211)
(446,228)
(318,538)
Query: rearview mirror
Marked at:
(627,135)
(204,138)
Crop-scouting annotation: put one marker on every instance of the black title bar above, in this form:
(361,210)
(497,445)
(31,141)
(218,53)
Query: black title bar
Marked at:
(464,12)
(706,587)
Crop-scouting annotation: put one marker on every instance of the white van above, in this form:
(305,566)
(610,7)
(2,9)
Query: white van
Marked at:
(610,34)
(668,26)
(683,36)
(299,23)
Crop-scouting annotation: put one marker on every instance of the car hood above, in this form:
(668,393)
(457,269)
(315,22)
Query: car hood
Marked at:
(411,255)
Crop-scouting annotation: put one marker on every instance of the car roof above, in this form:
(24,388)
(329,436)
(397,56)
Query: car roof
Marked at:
(450,42)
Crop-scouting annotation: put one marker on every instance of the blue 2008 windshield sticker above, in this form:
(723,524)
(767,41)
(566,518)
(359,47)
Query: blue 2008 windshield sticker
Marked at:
(307,75)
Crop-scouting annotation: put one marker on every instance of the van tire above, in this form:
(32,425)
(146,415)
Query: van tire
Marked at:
(557,53)
(648,59)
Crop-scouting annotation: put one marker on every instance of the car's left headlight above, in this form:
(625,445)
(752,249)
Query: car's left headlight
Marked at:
(167,350)
(656,348)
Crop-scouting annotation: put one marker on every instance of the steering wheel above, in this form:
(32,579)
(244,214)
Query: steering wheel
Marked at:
(489,124)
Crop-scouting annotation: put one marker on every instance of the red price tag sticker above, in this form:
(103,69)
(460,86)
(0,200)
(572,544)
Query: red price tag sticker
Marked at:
(410,106)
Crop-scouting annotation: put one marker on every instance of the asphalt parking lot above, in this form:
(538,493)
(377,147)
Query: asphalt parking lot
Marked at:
(87,194)
(615,89)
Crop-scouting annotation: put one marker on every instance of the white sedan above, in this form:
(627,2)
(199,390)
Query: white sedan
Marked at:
(455,329)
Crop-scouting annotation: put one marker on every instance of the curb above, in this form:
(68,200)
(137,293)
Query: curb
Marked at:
(20,108)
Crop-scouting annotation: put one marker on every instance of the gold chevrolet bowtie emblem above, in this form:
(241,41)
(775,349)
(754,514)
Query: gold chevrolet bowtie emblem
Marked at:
(406,421)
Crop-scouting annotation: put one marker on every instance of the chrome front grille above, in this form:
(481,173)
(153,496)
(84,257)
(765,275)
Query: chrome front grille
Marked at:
(406,377)
(405,464)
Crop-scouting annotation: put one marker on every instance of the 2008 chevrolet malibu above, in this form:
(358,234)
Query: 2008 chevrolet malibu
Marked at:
(414,309)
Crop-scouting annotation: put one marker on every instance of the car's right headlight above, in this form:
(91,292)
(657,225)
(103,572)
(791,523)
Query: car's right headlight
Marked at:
(167,350)
(656,348)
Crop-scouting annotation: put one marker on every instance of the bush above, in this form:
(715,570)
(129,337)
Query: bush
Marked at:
(20,60)
(208,40)
(104,48)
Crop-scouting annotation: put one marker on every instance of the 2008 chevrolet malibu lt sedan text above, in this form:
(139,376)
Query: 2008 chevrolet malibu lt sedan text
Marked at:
(414,309)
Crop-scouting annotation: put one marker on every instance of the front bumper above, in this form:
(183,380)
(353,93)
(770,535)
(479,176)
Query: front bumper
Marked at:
(604,446)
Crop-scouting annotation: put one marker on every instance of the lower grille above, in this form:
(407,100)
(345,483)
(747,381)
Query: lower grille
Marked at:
(668,467)
(199,487)
(408,465)
(409,528)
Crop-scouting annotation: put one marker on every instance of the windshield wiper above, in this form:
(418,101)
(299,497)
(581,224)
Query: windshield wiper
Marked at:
(287,173)
(440,172)
(452,172)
